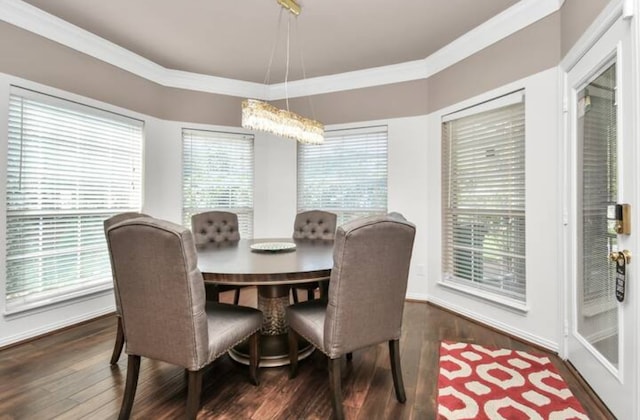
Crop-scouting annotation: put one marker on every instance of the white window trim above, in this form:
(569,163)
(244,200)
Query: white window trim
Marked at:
(471,107)
(349,131)
(249,212)
(75,293)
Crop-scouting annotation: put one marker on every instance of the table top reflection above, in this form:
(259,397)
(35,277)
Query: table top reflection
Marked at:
(236,263)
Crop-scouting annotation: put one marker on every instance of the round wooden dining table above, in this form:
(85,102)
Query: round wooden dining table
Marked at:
(273,272)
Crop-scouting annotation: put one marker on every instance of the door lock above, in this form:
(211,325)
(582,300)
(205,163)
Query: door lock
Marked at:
(619,219)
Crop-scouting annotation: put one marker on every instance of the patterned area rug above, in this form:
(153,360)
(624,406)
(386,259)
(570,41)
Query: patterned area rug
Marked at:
(477,382)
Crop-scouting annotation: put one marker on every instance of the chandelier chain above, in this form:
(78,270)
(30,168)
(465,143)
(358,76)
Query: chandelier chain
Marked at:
(304,70)
(286,73)
(267,76)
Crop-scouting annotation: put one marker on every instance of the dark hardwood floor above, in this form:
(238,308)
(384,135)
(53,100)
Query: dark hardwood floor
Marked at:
(67,376)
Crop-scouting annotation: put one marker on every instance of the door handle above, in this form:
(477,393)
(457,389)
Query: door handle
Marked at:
(621,259)
(615,256)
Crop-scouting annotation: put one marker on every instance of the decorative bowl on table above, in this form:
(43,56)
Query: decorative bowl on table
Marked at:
(273,246)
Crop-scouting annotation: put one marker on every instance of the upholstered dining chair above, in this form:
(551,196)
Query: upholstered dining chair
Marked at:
(164,311)
(313,225)
(216,227)
(370,270)
(117,348)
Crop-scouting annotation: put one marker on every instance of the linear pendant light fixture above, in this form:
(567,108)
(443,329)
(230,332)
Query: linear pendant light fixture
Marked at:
(261,116)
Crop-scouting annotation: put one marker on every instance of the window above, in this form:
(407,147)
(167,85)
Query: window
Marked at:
(483,185)
(598,145)
(346,175)
(69,167)
(217,174)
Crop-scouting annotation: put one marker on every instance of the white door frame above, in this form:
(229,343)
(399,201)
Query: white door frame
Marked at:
(616,11)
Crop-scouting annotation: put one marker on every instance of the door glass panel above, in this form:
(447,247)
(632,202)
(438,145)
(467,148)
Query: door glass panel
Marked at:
(597,318)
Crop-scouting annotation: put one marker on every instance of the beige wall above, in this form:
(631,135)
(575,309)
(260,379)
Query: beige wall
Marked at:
(528,51)
(576,16)
(533,49)
(38,59)
(35,58)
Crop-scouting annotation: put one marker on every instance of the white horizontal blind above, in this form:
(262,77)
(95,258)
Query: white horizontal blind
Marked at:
(597,119)
(217,174)
(69,167)
(483,185)
(346,175)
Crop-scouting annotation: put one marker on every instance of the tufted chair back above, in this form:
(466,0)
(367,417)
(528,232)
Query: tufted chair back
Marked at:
(315,224)
(215,226)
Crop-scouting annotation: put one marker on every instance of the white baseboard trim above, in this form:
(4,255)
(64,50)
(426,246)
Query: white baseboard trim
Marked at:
(423,297)
(25,335)
(532,338)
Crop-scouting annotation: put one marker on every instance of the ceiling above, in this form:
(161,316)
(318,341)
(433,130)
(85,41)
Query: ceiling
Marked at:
(234,39)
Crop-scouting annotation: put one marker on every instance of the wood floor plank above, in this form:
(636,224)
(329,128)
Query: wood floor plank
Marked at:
(67,376)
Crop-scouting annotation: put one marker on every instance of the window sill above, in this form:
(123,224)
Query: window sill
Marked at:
(22,309)
(597,306)
(501,301)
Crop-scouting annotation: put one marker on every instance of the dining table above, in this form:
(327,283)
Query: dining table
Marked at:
(273,265)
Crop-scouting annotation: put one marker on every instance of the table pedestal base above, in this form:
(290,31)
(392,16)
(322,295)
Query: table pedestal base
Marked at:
(272,352)
(274,345)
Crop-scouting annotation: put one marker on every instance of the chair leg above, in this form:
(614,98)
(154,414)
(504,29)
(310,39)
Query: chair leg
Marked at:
(294,292)
(324,290)
(194,389)
(293,353)
(396,370)
(211,292)
(254,357)
(335,385)
(236,297)
(350,356)
(133,369)
(311,294)
(117,348)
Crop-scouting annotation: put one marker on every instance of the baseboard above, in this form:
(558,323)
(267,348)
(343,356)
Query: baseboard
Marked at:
(585,385)
(416,297)
(52,328)
(497,325)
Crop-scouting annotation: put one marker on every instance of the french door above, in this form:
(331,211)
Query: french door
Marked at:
(602,331)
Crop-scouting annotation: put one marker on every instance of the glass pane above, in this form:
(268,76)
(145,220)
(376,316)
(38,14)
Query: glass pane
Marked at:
(69,167)
(217,174)
(597,138)
(346,175)
(483,182)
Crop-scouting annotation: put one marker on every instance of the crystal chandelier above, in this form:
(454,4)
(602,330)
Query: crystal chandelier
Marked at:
(261,116)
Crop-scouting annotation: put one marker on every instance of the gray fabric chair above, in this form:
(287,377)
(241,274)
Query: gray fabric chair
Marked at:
(215,227)
(120,338)
(370,270)
(313,225)
(164,311)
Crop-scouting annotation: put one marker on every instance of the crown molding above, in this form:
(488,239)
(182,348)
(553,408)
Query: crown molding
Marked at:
(376,76)
(612,12)
(30,18)
(517,17)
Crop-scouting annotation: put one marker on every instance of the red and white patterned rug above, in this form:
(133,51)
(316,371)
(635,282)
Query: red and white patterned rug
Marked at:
(477,382)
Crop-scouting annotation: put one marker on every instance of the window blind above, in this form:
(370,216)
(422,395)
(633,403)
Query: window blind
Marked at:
(217,174)
(483,185)
(597,130)
(346,175)
(69,167)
